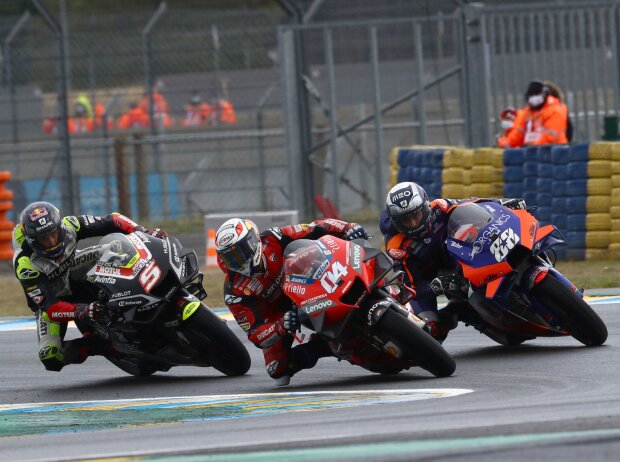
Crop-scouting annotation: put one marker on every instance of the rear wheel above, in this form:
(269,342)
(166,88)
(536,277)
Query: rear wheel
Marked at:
(576,316)
(416,344)
(210,335)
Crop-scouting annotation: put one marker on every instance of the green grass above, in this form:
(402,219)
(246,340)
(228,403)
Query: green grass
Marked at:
(585,274)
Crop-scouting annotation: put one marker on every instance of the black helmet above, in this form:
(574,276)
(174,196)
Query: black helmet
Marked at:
(43,229)
(409,209)
(538,91)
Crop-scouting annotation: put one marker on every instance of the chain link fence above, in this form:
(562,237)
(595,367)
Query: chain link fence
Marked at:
(207,136)
(175,112)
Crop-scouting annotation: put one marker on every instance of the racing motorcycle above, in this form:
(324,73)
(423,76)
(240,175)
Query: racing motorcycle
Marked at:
(153,317)
(342,291)
(506,273)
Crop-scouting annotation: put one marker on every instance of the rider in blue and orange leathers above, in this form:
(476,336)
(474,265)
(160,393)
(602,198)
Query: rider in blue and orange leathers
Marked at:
(253,263)
(50,268)
(415,230)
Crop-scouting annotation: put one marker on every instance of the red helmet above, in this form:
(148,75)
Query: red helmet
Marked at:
(508,114)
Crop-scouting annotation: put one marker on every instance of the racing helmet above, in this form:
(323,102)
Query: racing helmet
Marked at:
(43,230)
(409,209)
(238,244)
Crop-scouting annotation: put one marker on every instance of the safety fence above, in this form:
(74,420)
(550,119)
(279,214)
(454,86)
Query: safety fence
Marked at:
(576,187)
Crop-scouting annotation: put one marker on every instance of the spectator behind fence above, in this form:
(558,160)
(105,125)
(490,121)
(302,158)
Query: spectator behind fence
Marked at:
(507,121)
(79,123)
(135,117)
(100,116)
(543,120)
(225,111)
(161,109)
(197,112)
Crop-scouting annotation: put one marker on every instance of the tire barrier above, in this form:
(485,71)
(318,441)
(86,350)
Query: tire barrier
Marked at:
(6,226)
(575,187)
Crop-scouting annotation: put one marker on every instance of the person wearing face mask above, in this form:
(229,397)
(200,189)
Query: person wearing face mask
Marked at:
(544,120)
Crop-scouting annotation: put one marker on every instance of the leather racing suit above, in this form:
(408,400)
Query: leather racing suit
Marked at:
(422,260)
(54,286)
(258,303)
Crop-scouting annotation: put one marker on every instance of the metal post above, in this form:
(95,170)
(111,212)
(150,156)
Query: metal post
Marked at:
(421,100)
(106,153)
(8,42)
(476,84)
(67,187)
(261,147)
(154,124)
(215,37)
(374,59)
(65,40)
(333,121)
(296,159)
(302,104)
(146,42)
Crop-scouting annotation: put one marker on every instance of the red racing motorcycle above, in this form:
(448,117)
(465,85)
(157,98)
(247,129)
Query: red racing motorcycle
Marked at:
(342,292)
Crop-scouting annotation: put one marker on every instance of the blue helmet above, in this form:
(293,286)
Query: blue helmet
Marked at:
(409,209)
(43,230)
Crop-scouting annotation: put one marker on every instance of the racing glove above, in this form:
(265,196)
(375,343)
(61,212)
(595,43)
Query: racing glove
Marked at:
(354,231)
(515,203)
(450,285)
(91,312)
(288,323)
(159,233)
(397,254)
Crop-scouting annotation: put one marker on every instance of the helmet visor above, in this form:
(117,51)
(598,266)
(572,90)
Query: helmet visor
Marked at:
(412,220)
(238,257)
(50,241)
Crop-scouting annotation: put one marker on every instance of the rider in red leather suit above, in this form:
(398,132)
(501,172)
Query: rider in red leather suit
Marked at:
(253,289)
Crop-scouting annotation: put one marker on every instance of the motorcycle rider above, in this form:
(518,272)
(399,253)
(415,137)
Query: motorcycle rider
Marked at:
(415,230)
(50,269)
(253,263)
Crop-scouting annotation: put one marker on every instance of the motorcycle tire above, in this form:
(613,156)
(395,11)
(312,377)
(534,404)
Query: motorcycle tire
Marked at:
(577,317)
(209,334)
(416,344)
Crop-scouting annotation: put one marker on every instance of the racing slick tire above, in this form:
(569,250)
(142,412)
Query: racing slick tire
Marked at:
(577,317)
(416,344)
(210,335)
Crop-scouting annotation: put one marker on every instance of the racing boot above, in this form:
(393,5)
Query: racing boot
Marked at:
(76,351)
(435,325)
(306,355)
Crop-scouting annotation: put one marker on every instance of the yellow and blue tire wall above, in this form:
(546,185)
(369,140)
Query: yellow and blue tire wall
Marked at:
(576,187)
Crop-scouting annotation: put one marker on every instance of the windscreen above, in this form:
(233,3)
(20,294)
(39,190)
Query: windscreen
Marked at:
(117,251)
(467,221)
(305,259)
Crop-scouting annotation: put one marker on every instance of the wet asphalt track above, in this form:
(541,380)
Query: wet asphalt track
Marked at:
(548,399)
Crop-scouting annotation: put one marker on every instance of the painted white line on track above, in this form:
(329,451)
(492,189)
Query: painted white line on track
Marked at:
(28,322)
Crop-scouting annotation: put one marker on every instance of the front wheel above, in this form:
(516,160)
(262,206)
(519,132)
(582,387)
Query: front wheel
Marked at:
(576,316)
(416,344)
(210,335)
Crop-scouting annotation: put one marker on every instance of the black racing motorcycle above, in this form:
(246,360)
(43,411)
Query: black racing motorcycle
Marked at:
(154,318)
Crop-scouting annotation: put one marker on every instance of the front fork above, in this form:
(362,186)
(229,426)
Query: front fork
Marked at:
(188,305)
(543,269)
